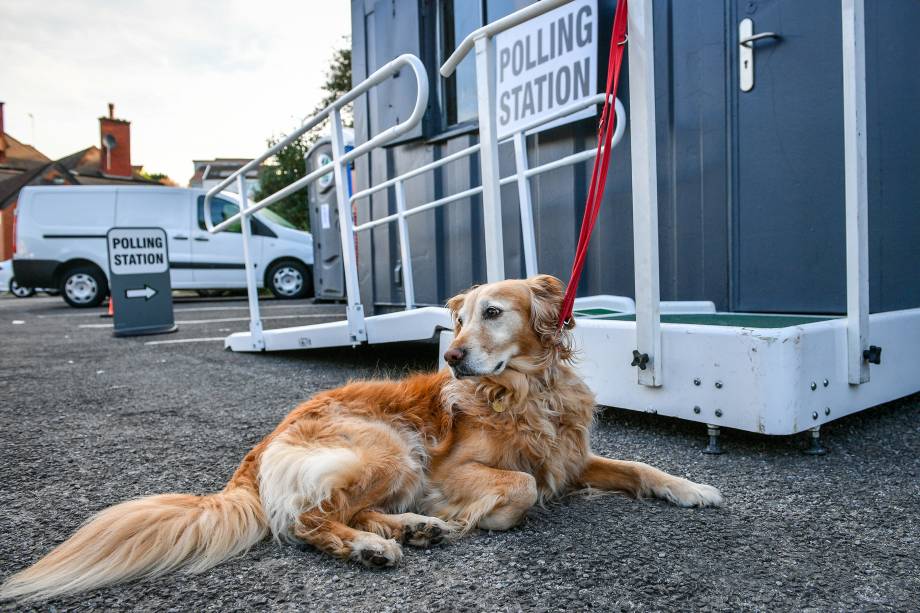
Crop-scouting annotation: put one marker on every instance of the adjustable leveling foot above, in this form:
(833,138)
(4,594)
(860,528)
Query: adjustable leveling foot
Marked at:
(816,448)
(713,447)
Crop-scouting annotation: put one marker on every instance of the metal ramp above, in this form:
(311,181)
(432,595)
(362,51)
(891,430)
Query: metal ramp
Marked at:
(413,323)
(770,374)
(425,323)
(417,324)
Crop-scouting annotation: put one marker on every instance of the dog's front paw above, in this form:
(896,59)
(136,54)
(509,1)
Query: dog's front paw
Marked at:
(686,493)
(375,551)
(422,531)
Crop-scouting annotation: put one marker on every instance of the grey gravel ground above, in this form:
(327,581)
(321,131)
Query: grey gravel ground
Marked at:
(87,420)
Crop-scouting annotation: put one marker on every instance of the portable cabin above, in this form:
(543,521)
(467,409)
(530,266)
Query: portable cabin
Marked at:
(759,241)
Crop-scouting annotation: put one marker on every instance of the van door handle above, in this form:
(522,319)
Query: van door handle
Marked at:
(180,237)
(202,239)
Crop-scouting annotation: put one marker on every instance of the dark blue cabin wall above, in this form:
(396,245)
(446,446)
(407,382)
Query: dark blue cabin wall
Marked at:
(462,245)
(692,170)
(691,92)
(381,31)
(448,244)
(722,236)
(893,80)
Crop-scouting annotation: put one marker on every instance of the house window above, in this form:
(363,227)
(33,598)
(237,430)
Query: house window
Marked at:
(458,19)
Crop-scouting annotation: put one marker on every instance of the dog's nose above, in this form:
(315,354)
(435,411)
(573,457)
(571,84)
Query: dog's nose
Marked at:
(454,356)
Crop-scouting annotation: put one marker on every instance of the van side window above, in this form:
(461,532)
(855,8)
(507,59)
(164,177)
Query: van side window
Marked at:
(220,210)
(260,229)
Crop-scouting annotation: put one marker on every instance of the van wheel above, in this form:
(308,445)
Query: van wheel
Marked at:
(20,291)
(84,287)
(290,279)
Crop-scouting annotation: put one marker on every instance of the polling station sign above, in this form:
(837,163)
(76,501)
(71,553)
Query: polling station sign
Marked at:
(134,251)
(545,64)
(139,279)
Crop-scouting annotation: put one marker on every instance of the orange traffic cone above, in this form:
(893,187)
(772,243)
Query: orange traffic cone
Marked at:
(111,312)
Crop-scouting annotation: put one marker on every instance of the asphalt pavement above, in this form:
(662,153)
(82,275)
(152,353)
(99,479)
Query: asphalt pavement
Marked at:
(88,420)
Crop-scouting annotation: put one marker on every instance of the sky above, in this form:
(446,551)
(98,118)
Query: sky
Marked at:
(196,79)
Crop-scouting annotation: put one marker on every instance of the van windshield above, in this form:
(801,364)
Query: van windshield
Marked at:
(277,219)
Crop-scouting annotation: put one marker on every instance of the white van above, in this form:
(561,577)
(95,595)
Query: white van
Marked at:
(60,241)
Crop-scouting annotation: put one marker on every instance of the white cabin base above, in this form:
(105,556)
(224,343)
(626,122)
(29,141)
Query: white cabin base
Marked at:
(779,375)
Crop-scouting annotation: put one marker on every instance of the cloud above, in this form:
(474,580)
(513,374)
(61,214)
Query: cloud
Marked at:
(196,79)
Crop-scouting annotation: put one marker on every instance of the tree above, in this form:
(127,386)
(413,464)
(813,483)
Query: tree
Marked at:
(289,164)
(158,177)
(338,82)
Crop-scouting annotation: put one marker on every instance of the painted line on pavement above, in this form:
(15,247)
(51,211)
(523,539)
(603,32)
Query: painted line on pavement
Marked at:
(188,322)
(214,308)
(187,340)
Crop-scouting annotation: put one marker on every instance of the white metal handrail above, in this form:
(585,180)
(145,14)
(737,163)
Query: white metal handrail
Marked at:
(564,111)
(522,175)
(340,160)
(379,76)
(491,29)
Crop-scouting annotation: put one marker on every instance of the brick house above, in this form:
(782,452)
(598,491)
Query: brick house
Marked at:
(22,165)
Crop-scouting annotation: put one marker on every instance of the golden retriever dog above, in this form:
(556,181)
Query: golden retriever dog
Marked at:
(360,470)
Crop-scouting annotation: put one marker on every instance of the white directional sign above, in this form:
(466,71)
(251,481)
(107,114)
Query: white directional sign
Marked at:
(134,251)
(544,64)
(146,293)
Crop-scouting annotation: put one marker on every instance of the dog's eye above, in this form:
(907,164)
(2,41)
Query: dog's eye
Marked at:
(492,312)
(459,322)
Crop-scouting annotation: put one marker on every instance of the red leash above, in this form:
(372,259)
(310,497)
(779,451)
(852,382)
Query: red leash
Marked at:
(605,130)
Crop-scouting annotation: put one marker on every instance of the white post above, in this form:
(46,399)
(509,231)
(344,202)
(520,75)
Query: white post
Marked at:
(354,310)
(526,204)
(645,189)
(856,189)
(488,151)
(252,290)
(404,253)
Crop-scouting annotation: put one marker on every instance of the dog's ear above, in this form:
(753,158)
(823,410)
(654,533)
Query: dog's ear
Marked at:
(454,305)
(546,299)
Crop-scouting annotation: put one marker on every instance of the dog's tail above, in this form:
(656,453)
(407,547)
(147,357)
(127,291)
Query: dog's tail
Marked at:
(143,538)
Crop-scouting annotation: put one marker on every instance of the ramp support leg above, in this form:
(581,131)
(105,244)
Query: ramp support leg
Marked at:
(528,236)
(354,311)
(815,448)
(713,447)
(645,191)
(404,252)
(488,153)
(856,188)
(255,318)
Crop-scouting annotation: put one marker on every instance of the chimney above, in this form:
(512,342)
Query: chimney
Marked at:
(115,141)
(2,136)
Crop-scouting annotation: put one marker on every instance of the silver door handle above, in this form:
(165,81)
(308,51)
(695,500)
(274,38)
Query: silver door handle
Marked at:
(180,237)
(747,42)
(202,239)
(746,39)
